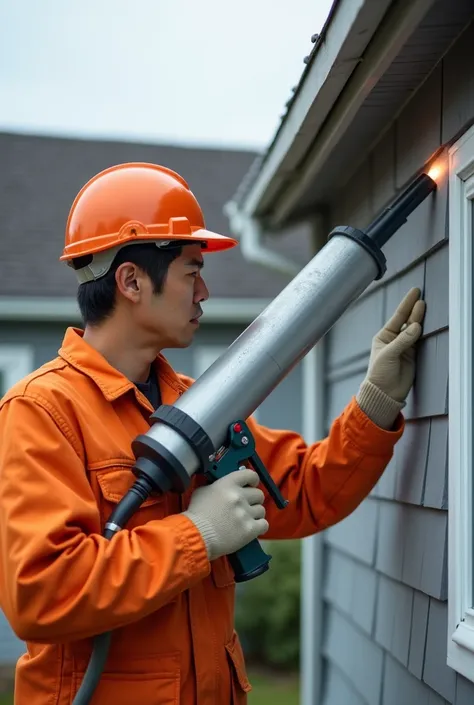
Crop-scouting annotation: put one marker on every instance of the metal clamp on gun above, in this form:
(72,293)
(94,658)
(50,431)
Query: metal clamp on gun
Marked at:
(251,560)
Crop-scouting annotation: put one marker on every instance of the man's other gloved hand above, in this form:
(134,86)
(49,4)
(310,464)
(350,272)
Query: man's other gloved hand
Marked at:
(229,513)
(391,370)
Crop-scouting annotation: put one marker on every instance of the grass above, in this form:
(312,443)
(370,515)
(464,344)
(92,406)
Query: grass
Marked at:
(267,689)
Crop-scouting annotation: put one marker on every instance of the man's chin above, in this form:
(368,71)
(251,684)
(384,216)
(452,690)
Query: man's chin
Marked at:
(183,342)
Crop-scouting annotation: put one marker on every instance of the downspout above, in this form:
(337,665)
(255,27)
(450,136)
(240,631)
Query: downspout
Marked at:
(249,231)
(314,411)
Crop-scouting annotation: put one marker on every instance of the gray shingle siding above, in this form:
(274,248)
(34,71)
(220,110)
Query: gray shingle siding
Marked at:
(356,655)
(338,690)
(396,541)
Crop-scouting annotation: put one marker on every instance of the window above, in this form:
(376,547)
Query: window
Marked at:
(16,361)
(461,412)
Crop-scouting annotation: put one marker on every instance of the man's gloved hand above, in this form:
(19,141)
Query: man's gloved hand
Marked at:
(229,514)
(391,370)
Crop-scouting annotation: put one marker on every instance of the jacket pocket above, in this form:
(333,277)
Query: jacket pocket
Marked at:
(240,682)
(160,687)
(112,484)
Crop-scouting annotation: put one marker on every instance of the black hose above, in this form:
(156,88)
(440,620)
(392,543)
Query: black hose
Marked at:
(122,513)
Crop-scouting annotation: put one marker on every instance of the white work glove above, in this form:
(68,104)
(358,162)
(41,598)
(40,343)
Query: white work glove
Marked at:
(229,513)
(391,370)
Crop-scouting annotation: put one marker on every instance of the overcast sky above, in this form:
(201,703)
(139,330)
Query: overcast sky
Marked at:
(179,71)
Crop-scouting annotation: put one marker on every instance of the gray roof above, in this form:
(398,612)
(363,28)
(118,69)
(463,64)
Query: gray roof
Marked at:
(40,176)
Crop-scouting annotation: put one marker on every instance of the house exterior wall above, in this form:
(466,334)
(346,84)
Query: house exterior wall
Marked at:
(281,409)
(385,578)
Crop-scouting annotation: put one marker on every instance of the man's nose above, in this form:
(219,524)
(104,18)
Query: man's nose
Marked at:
(201,292)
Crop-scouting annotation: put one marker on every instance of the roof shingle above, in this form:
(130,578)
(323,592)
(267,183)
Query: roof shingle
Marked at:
(40,177)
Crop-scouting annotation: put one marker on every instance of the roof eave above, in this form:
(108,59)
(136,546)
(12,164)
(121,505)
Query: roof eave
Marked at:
(342,74)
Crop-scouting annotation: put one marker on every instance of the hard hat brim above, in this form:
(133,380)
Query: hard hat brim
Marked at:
(214,242)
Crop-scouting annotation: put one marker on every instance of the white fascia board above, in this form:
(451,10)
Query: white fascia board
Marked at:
(346,37)
(65,310)
(333,111)
(393,33)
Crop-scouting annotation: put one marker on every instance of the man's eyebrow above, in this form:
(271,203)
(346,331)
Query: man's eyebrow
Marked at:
(195,263)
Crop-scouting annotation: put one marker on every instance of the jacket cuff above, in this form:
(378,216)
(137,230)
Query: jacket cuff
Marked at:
(366,435)
(378,406)
(192,545)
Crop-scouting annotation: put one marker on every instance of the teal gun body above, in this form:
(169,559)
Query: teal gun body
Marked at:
(251,560)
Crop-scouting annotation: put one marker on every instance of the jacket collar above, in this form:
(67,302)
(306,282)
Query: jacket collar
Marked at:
(113,384)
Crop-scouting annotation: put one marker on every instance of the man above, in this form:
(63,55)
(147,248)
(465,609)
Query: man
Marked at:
(136,238)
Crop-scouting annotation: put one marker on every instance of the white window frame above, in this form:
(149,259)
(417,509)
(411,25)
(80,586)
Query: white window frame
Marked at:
(16,361)
(460,651)
(204,356)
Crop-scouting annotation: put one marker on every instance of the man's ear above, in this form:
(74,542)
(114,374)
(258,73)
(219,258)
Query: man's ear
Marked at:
(128,279)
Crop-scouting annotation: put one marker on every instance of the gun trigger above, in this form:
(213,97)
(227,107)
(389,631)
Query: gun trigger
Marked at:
(268,481)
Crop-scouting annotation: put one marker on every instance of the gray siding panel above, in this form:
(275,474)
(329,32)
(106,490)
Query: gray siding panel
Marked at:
(339,691)
(397,288)
(339,578)
(356,535)
(436,291)
(358,657)
(401,688)
(425,551)
(355,209)
(393,619)
(351,587)
(429,396)
(412,547)
(364,597)
(436,488)
(414,145)
(435,672)
(383,171)
(385,487)
(352,335)
(391,533)
(410,460)
(341,391)
(419,622)
(458,85)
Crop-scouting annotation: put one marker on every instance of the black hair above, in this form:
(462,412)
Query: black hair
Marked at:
(97,299)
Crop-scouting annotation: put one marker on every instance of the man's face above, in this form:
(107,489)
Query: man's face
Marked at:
(171,317)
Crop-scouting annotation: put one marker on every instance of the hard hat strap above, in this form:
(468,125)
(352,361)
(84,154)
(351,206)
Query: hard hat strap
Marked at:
(102,261)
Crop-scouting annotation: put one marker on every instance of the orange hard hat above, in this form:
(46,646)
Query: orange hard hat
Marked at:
(131,203)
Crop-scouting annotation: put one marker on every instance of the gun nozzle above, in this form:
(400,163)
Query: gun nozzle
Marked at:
(435,172)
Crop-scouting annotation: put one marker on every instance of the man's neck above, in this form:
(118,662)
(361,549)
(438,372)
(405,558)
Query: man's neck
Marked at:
(121,350)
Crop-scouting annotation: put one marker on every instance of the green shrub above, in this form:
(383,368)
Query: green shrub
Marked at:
(268,609)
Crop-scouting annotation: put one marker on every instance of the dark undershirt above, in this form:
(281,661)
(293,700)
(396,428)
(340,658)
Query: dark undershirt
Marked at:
(151,388)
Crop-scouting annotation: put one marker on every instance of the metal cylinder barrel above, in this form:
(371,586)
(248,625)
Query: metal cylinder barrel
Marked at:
(236,384)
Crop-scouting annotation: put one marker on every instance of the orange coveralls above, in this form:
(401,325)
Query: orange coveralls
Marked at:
(65,461)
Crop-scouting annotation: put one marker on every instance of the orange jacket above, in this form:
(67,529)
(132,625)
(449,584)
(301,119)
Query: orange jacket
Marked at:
(65,461)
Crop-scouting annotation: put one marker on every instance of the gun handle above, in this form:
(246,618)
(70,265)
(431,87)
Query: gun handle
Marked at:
(249,562)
